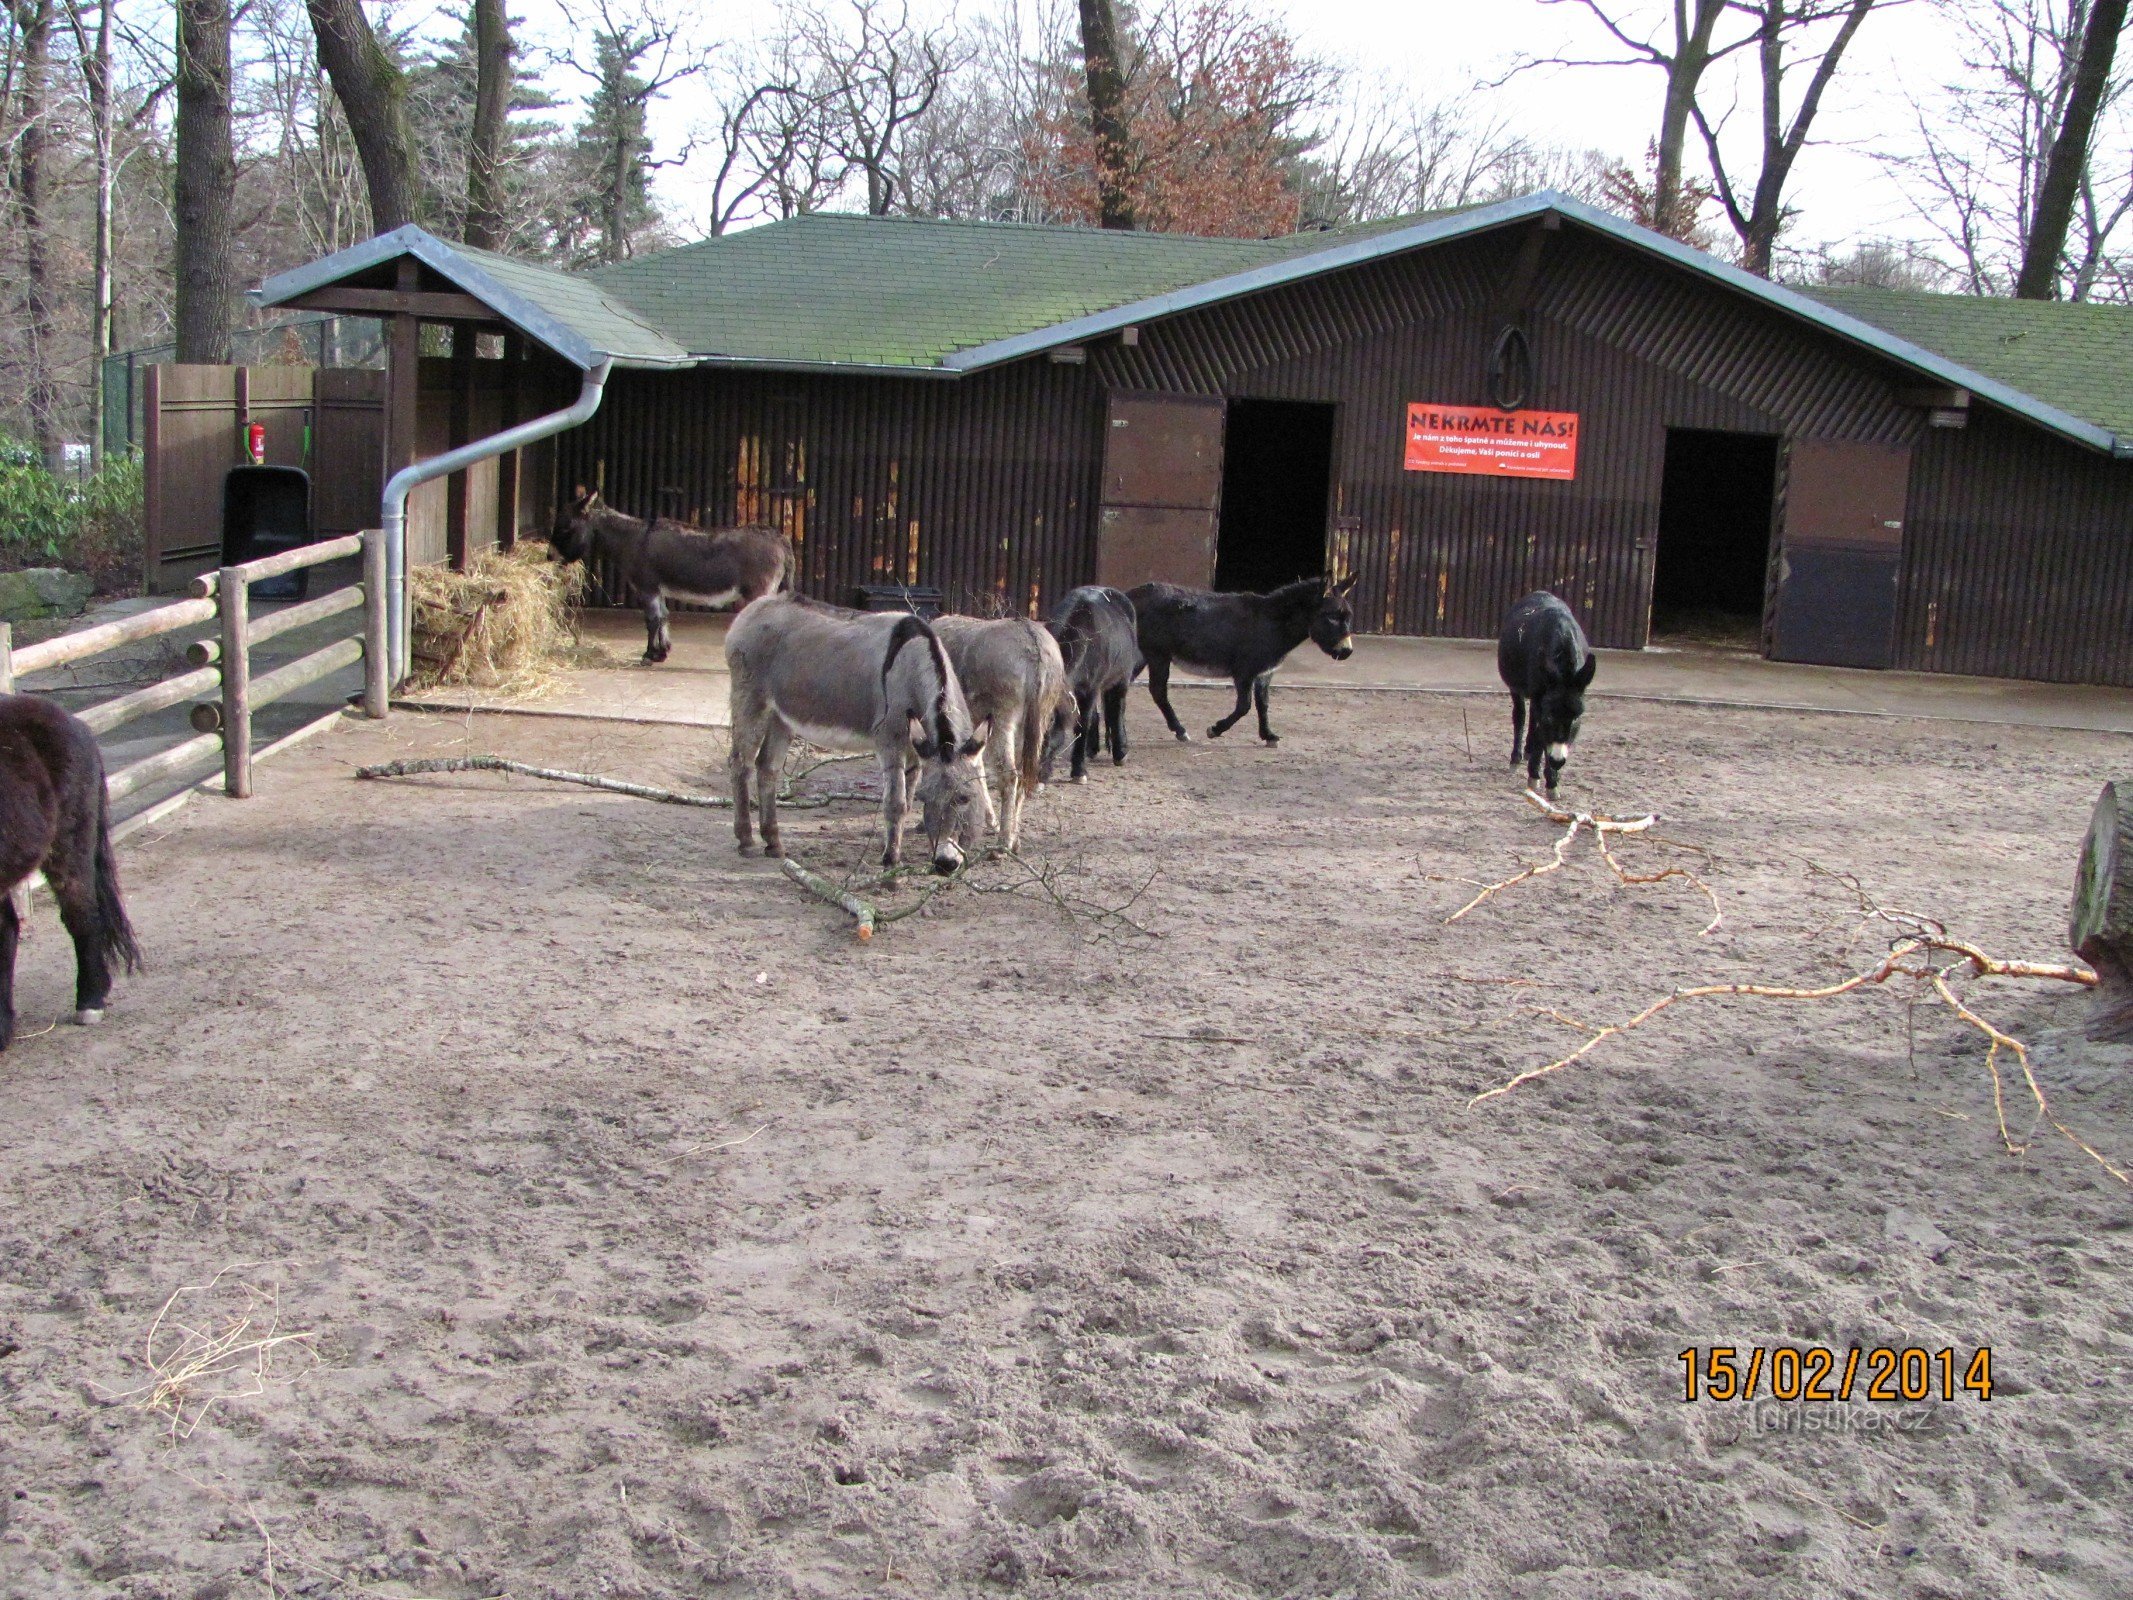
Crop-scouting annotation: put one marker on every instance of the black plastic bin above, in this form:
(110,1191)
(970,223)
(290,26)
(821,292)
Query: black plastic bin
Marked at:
(266,510)
(922,598)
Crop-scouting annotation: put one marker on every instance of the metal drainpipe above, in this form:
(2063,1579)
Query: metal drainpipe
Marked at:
(398,644)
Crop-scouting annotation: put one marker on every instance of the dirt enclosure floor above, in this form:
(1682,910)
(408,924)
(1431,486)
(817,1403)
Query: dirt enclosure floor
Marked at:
(634,1230)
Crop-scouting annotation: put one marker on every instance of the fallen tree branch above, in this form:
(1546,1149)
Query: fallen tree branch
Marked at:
(641,791)
(1043,877)
(1602,828)
(1911,957)
(862,912)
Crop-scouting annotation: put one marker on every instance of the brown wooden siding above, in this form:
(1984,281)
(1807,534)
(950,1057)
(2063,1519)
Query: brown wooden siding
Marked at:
(984,486)
(2016,553)
(2018,557)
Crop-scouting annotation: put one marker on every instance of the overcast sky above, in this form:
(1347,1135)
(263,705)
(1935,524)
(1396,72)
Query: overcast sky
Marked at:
(1449,48)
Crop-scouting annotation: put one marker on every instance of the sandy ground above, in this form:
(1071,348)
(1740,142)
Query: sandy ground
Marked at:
(648,1235)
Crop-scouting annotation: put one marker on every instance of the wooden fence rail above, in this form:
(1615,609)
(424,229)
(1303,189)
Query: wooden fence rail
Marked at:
(222,678)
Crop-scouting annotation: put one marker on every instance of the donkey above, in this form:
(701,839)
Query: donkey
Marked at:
(1099,638)
(855,680)
(53,817)
(1543,658)
(1244,637)
(1014,679)
(664,559)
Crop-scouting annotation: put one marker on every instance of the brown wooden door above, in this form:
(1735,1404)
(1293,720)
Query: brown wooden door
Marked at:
(1161,490)
(1842,545)
(348,449)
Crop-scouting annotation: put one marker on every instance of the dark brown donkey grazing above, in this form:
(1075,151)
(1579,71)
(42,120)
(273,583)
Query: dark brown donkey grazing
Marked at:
(53,818)
(664,560)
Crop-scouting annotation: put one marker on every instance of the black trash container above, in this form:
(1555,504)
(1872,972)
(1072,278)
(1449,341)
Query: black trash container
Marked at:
(923,599)
(266,510)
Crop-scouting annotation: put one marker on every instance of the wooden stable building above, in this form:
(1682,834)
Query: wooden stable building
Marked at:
(1458,408)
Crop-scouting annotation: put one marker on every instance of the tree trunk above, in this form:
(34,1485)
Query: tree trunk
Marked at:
(2101,929)
(1107,113)
(1684,73)
(93,56)
(33,150)
(1781,144)
(486,140)
(2069,158)
(373,92)
(206,183)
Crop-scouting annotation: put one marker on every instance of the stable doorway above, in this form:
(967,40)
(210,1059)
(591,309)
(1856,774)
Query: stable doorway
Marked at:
(1715,516)
(1277,483)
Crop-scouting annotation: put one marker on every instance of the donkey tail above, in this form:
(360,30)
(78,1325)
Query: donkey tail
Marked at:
(113,928)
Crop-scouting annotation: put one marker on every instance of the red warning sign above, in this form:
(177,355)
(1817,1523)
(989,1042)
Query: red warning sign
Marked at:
(1500,444)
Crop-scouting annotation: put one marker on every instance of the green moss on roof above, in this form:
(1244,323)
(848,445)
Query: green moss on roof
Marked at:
(580,304)
(906,292)
(2076,357)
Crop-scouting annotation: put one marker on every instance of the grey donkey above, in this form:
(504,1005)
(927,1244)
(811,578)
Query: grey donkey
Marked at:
(855,680)
(1014,677)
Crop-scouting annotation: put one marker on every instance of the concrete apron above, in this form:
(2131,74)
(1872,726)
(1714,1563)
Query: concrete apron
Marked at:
(689,688)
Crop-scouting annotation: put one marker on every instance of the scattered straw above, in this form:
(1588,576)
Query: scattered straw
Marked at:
(232,1354)
(503,624)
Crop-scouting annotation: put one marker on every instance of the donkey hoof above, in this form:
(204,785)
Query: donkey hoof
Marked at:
(89,1016)
(1184,737)
(1270,738)
(1215,732)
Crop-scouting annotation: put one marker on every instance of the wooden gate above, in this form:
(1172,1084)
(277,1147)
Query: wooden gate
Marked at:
(194,420)
(1162,487)
(1842,542)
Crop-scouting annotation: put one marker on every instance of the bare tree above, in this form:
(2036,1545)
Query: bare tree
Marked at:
(636,56)
(373,91)
(1104,80)
(204,264)
(875,74)
(486,138)
(1761,214)
(1976,172)
(1682,48)
(2067,165)
(30,177)
(92,54)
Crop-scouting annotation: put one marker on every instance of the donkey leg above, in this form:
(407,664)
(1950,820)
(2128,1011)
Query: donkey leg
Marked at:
(769,773)
(1084,736)
(1115,724)
(1261,687)
(892,806)
(10,934)
(1159,692)
(658,643)
(1244,704)
(1518,729)
(749,726)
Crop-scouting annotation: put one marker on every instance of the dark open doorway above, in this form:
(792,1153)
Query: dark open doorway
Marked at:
(1277,476)
(1715,513)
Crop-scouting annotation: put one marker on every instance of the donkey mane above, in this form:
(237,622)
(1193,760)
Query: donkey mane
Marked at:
(914,627)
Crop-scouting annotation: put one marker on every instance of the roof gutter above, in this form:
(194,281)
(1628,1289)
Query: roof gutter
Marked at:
(398,645)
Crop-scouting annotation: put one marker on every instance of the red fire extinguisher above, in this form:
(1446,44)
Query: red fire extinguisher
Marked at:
(255,443)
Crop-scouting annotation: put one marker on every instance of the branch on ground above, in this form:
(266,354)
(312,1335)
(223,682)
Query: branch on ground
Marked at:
(1602,828)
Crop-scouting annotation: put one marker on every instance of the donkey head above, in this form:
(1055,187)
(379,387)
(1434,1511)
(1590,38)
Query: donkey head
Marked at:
(1557,712)
(951,789)
(571,537)
(1333,627)
(1059,736)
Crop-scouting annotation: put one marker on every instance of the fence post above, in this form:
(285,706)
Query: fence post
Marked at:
(233,598)
(377,671)
(7,658)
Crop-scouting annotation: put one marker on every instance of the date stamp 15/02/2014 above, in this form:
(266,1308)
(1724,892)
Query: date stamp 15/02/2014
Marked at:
(1723,1372)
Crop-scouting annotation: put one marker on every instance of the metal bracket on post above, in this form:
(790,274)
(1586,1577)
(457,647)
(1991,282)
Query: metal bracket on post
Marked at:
(7,658)
(377,666)
(233,596)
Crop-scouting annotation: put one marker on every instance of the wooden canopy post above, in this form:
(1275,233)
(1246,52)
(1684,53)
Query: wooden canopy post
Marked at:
(507,464)
(403,379)
(459,487)
(2101,929)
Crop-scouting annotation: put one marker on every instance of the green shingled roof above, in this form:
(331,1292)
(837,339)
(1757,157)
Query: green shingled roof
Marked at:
(905,292)
(579,303)
(2076,357)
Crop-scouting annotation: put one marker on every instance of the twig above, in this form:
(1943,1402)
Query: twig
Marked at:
(1042,878)
(862,911)
(1912,957)
(641,791)
(1601,827)
(730,1144)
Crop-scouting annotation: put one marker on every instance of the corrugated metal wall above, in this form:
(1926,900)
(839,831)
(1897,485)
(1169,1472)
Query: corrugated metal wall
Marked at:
(1634,348)
(985,486)
(2018,557)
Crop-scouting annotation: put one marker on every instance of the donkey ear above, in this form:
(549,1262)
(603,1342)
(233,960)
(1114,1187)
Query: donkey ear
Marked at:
(919,741)
(1344,587)
(1582,678)
(580,497)
(975,744)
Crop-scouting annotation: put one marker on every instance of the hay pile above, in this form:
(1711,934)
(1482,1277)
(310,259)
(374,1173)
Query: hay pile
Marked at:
(504,624)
